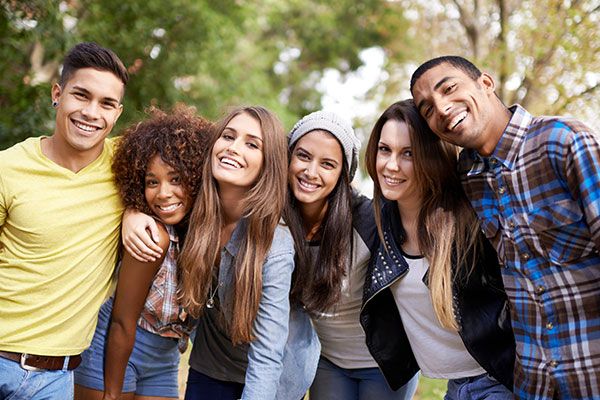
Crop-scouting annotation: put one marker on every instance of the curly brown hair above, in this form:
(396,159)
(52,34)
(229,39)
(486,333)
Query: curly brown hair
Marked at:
(180,137)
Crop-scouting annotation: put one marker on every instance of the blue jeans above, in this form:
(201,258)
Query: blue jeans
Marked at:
(19,384)
(336,383)
(477,388)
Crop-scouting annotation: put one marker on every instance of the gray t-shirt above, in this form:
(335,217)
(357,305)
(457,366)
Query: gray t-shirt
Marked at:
(213,353)
(342,338)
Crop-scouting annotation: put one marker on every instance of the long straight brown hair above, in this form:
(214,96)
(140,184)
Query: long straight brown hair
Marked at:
(263,205)
(448,230)
(317,280)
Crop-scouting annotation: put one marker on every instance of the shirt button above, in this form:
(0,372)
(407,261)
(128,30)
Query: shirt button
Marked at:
(501,189)
(511,224)
(549,326)
(553,363)
(525,256)
(540,289)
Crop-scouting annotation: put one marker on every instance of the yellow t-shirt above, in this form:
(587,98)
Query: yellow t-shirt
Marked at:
(59,236)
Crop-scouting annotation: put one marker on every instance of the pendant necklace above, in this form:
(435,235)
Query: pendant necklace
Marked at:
(210,303)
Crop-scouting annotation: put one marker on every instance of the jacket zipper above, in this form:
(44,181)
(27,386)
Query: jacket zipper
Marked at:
(384,287)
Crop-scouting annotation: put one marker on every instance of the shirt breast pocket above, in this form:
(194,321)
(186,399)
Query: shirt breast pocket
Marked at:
(489,227)
(491,230)
(561,230)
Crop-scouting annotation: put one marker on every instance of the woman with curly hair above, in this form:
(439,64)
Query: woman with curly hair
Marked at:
(237,264)
(157,168)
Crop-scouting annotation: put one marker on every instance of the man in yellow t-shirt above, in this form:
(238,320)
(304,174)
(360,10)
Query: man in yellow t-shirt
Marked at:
(60,215)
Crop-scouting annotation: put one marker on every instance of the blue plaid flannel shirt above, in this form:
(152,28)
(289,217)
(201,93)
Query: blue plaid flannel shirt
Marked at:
(538,198)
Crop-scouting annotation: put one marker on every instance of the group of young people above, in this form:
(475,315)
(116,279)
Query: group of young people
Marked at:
(481,269)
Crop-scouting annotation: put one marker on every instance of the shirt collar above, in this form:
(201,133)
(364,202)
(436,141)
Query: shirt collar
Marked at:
(233,245)
(507,149)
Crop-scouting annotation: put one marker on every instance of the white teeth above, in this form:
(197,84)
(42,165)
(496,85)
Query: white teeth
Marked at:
(229,161)
(169,207)
(84,127)
(306,185)
(393,181)
(457,120)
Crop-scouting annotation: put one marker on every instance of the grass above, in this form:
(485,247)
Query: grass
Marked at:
(428,389)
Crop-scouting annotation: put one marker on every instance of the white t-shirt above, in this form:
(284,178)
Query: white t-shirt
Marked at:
(439,352)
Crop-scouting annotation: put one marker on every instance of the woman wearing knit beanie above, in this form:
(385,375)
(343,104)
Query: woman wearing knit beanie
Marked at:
(333,229)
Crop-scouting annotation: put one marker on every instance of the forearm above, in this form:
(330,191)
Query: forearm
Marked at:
(121,339)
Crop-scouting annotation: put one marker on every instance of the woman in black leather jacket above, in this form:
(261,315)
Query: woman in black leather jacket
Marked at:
(433,296)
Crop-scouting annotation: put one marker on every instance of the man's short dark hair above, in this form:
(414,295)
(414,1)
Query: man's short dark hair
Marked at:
(458,62)
(91,55)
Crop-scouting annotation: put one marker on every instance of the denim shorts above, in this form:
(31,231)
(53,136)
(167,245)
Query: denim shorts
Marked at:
(152,368)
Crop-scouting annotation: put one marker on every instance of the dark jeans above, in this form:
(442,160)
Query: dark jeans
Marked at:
(203,387)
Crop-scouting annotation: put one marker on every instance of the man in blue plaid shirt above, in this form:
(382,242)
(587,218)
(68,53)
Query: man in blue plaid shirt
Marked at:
(535,185)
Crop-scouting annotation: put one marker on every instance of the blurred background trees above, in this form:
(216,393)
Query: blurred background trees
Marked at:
(545,54)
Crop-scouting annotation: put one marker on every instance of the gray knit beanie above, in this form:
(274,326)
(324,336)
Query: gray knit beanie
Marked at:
(339,127)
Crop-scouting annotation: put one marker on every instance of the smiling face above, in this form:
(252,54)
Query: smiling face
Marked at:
(315,167)
(165,193)
(459,109)
(88,107)
(394,164)
(237,155)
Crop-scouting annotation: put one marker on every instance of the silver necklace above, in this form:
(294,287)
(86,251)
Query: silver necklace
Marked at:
(210,303)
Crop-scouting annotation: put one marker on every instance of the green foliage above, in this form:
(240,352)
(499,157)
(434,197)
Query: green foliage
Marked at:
(26,109)
(218,53)
(208,53)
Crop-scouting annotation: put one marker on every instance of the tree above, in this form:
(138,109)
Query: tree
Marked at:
(207,53)
(545,54)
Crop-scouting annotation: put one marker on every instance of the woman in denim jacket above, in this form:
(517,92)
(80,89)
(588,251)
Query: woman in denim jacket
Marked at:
(237,264)
(434,298)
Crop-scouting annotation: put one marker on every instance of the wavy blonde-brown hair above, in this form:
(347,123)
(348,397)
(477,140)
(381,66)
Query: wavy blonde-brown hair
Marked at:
(263,205)
(448,229)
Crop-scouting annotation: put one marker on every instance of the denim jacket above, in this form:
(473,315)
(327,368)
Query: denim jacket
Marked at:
(481,308)
(282,360)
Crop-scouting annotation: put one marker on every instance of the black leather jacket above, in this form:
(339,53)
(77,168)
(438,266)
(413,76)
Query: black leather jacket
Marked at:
(480,303)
